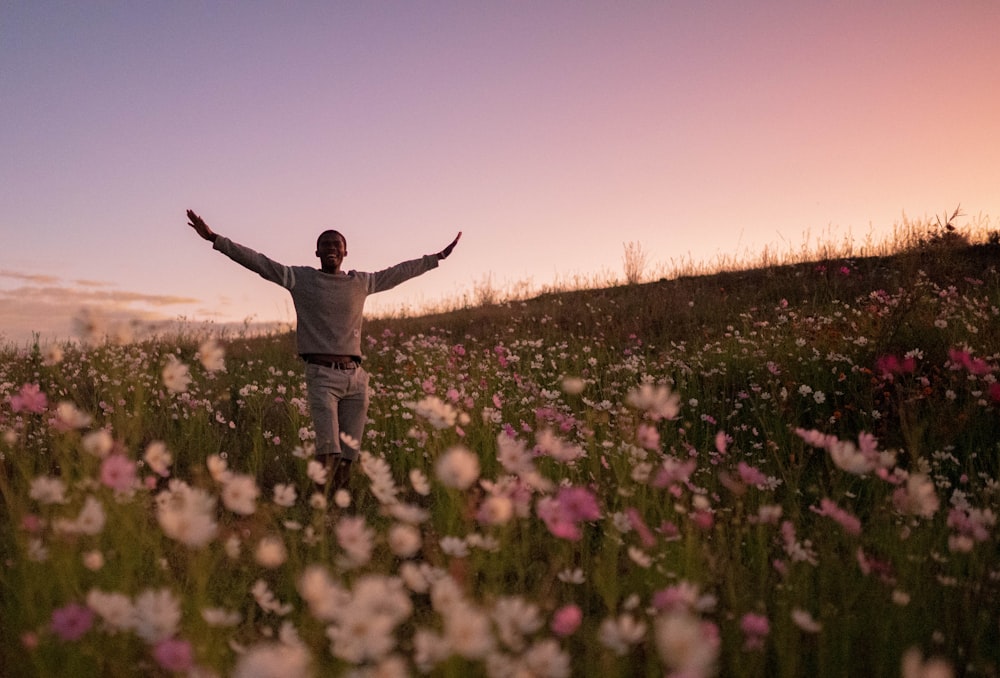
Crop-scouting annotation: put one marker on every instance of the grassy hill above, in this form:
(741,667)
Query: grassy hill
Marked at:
(791,470)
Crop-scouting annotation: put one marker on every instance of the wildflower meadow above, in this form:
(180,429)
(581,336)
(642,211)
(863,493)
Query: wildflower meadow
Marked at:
(788,471)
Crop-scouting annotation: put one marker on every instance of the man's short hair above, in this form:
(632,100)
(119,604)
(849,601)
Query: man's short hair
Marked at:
(336,233)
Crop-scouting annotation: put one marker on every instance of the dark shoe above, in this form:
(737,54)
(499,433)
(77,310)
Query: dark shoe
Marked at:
(341,473)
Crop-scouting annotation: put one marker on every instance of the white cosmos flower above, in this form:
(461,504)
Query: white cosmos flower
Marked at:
(212,356)
(158,457)
(457,468)
(274,660)
(186,514)
(46,490)
(98,443)
(176,376)
(115,609)
(158,614)
(240,493)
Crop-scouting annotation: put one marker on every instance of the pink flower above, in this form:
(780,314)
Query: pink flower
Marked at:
(703,519)
(579,503)
(755,629)
(72,621)
(648,437)
(118,472)
(29,399)
(964,359)
(173,654)
(889,365)
(750,475)
(566,620)
(848,521)
(639,525)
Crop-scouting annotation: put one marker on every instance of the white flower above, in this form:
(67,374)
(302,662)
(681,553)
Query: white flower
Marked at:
(685,645)
(219,468)
(515,619)
(90,520)
(158,457)
(176,376)
(568,576)
(274,660)
(356,538)
(46,490)
(457,468)
(658,402)
(267,601)
(212,356)
(93,560)
(454,547)
(620,634)
(284,495)
(639,557)
(805,621)
(98,443)
(316,472)
(438,413)
(324,597)
(467,630)
(218,616)
(186,514)
(271,552)
(545,659)
(404,540)
(419,482)
(157,615)
(70,417)
(239,495)
(115,609)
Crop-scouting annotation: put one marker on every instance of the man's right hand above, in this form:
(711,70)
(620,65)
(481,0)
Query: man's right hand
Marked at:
(199,225)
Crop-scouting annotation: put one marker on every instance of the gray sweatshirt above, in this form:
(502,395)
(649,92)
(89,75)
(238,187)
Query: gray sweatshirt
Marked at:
(328,306)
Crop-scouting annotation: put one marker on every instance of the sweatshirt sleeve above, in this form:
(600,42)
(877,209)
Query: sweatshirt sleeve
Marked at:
(266,268)
(388,278)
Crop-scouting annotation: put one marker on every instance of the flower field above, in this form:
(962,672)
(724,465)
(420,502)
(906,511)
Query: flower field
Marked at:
(785,472)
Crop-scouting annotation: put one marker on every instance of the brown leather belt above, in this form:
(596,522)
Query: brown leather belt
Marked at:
(314,359)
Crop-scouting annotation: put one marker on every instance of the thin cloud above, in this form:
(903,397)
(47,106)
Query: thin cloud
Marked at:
(48,310)
(30,277)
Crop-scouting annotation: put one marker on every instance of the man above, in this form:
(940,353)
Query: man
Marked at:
(329,303)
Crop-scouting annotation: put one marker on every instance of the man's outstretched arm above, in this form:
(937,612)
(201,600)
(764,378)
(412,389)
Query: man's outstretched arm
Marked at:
(443,254)
(244,256)
(199,225)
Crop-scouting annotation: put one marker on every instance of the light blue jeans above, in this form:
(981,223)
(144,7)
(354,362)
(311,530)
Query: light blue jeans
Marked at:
(338,401)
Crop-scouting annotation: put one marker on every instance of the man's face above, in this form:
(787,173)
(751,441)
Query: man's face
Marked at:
(331,250)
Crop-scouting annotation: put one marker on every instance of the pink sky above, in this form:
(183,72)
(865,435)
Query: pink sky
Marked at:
(549,133)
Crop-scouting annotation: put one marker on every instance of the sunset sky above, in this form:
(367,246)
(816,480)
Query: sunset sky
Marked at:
(550,133)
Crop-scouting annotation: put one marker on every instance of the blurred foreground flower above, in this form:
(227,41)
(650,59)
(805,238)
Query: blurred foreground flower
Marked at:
(176,376)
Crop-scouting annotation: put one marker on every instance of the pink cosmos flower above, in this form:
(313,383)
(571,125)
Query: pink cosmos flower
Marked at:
(566,620)
(965,359)
(639,525)
(174,654)
(648,437)
(118,472)
(29,399)
(889,365)
(755,629)
(579,503)
(848,521)
(72,621)
(750,475)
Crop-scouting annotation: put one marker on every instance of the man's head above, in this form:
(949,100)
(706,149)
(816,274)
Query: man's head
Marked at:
(331,248)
